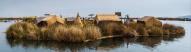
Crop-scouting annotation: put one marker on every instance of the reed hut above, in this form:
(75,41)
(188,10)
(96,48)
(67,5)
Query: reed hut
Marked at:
(150,21)
(106,18)
(78,21)
(38,19)
(51,20)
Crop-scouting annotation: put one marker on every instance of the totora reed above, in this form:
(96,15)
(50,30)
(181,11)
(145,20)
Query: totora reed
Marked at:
(74,33)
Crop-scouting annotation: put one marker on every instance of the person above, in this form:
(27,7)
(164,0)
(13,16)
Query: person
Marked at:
(127,22)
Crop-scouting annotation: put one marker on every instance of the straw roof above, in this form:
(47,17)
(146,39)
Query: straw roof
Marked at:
(37,20)
(107,17)
(145,18)
(59,19)
(150,21)
(78,21)
(51,19)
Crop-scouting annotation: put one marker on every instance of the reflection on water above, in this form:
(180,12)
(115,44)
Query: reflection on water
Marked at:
(104,44)
(152,42)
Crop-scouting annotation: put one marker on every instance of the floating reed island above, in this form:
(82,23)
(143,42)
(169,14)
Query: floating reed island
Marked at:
(55,28)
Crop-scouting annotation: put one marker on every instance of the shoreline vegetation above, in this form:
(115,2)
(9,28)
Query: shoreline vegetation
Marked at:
(89,32)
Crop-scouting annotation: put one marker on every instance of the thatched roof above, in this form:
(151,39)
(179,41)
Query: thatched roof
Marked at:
(150,21)
(38,19)
(51,19)
(78,21)
(59,19)
(107,17)
(145,18)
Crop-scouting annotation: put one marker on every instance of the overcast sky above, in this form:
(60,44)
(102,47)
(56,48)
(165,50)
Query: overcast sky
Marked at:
(135,8)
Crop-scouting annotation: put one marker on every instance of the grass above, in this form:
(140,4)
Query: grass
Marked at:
(75,34)
(155,31)
(128,31)
(173,30)
(140,29)
(143,32)
(112,29)
(23,30)
(29,31)
(92,32)
(52,33)
(30,20)
(62,33)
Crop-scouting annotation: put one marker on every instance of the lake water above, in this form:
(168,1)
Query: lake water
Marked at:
(125,44)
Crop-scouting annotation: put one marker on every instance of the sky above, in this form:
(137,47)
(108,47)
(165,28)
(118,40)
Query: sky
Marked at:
(68,8)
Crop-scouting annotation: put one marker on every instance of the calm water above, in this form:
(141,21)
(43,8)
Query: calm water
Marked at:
(126,44)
